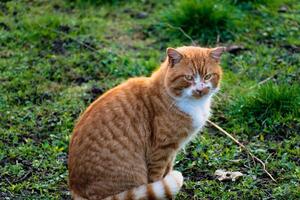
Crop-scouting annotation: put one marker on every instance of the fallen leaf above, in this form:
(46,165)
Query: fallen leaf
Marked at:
(223,175)
(283,9)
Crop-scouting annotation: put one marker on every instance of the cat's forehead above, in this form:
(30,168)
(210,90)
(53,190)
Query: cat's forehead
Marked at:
(198,60)
(191,52)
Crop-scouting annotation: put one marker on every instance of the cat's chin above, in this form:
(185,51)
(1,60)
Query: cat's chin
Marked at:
(193,98)
(200,96)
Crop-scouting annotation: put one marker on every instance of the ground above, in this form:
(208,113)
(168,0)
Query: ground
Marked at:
(56,57)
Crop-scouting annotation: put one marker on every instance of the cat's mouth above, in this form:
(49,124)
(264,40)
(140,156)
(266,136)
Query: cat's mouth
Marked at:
(197,93)
(200,93)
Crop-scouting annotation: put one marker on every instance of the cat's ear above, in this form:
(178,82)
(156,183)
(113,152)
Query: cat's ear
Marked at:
(173,56)
(217,52)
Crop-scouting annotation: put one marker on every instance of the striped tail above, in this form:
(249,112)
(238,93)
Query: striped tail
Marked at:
(163,189)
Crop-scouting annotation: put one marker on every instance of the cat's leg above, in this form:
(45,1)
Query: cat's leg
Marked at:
(156,172)
(121,179)
(159,168)
(169,167)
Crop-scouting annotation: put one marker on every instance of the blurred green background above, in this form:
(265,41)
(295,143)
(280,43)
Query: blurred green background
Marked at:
(57,56)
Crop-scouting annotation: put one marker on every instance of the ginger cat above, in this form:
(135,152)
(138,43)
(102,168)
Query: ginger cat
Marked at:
(124,144)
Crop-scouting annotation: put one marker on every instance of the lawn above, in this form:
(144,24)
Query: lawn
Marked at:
(57,56)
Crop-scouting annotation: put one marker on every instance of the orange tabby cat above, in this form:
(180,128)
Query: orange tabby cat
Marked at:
(124,144)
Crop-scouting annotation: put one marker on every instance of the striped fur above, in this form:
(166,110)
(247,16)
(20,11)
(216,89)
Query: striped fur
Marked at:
(166,188)
(130,136)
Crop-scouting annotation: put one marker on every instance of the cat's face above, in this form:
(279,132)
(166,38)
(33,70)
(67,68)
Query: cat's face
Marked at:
(193,72)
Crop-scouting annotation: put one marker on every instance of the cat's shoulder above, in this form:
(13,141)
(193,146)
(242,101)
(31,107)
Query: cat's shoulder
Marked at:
(137,81)
(137,84)
(132,85)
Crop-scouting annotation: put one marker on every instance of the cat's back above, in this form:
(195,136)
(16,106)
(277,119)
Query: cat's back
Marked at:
(110,134)
(117,108)
(124,99)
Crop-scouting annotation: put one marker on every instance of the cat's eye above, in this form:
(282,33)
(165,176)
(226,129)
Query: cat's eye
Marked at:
(207,77)
(188,77)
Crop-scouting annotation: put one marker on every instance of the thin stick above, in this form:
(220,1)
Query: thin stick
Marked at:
(23,177)
(243,147)
(68,36)
(218,39)
(183,32)
(262,82)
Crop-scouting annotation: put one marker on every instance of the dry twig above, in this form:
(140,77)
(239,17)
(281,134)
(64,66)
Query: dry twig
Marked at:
(243,147)
(263,81)
(68,36)
(183,32)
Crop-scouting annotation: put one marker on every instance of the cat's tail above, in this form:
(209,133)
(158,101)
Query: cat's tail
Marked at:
(163,189)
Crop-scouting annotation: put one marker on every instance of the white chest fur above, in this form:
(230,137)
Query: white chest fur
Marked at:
(198,110)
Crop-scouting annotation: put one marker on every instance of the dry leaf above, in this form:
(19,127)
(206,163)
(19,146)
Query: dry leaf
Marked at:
(223,175)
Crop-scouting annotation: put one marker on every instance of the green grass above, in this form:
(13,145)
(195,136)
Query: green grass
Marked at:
(56,57)
(204,20)
(83,3)
(272,109)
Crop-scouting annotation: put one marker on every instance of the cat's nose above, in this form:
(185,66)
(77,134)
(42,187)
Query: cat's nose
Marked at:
(200,86)
(202,91)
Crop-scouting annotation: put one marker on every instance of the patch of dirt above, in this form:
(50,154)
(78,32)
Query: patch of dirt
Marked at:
(96,91)
(38,134)
(140,33)
(26,165)
(235,49)
(128,10)
(189,192)
(89,43)
(282,131)
(80,80)
(291,48)
(64,28)
(44,96)
(93,94)
(4,26)
(58,46)
(6,195)
(15,13)
(136,14)
(65,195)
(63,157)
(296,160)
(34,97)
(56,6)
(196,174)
(3,8)
(69,9)
(140,15)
